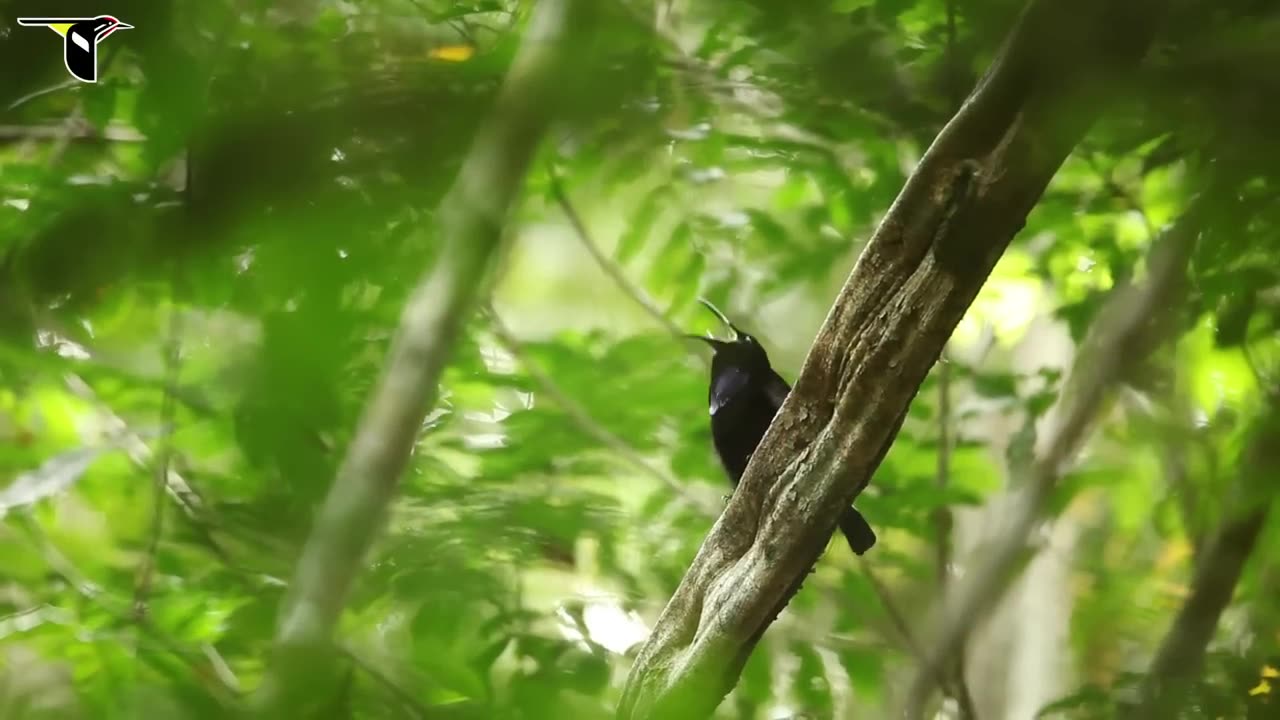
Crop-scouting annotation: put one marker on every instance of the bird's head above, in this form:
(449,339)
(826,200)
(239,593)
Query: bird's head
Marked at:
(741,351)
(103,25)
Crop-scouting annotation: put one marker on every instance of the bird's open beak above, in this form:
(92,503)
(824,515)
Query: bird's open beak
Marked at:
(714,343)
(715,310)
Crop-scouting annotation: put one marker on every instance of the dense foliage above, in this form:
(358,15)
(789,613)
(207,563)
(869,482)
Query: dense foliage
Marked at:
(203,257)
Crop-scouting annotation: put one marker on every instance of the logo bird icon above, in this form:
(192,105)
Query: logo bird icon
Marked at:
(80,38)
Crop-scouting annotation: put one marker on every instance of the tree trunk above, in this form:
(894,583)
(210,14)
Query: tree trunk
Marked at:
(916,278)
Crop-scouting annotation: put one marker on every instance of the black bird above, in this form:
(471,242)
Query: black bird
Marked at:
(744,396)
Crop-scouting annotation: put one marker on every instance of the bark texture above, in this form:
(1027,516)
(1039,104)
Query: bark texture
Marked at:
(914,281)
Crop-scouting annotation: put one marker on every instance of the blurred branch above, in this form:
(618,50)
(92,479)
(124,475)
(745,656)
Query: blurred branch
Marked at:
(405,697)
(75,128)
(706,75)
(55,475)
(952,675)
(173,363)
(42,92)
(183,494)
(75,119)
(896,617)
(942,477)
(188,500)
(943,518)
(1118,342)
(953,685)
(952,680)
(94,363)
(1121,193)
(141,454)
(222,684)
(470,221)
(1219,566)
(1263,377)
(580,417)
(931,254)
(633,291)
(955,77)
(1174,441)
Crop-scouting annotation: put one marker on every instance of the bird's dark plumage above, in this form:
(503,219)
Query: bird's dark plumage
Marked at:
(744,395)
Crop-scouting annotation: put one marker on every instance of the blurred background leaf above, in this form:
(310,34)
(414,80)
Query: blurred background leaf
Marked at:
(255,182)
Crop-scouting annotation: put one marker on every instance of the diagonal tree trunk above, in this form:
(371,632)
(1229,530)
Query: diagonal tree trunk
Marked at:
(470,222)
(915,280)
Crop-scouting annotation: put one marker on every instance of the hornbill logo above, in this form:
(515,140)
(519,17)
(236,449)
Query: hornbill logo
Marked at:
(80,38)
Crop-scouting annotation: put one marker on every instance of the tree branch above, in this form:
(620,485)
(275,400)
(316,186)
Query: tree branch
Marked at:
(471,217)
(916,278)
(579,416)
(73,129)
(953,680)
(903,628)
(173,365)
(1219,566)
(610,268)
(1116,344)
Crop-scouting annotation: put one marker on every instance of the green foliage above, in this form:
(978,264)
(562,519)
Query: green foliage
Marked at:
(254,184)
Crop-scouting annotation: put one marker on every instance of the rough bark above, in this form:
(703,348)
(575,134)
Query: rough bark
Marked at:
(470,224)
(917,276)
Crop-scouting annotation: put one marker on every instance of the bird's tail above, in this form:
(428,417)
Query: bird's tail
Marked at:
(857,531)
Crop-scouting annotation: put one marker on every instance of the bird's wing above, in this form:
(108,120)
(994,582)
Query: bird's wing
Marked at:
(725,386)
(777,390)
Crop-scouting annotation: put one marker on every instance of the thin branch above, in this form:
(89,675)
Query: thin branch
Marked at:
(942,478)
(896,616)
(903,627)
(955,82)
(703,74)
(469,221)
(1107,355)
(580,417)
(633,291)
(173,361)
(952,675)
(74,128)
(1173,463)
(953,680)
(76,118)
(952,683)
(1219,566)
(185,497)
(407,698)
(141,454)
(41,92)
(1122,193)
(97,363)
(224,687)
(1262,377)
(160,484)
